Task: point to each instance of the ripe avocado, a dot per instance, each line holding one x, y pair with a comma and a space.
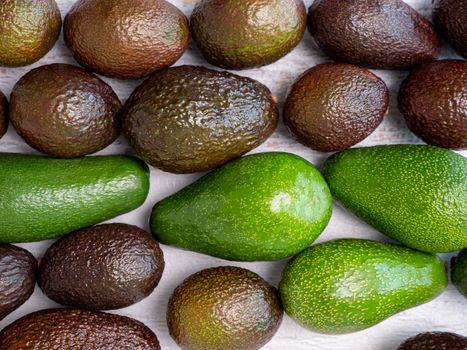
450, 19
385, 34
59, 329
435, 341
334, 106
28, 30
112, 266
188, 119
252, 33
126, 38
433, 100
348, 285
43, 198
65, 111
459, 272
265, 206
224, 308
3, 114
416, 194
17, 278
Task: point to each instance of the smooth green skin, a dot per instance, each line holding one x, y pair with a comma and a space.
265, 206
459, 272
42, 198
415, 194
348, 285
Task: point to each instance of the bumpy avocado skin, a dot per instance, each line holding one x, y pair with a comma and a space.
348, 285
59, 329
187, 119
433, 101
251, 33
333, 106
126, 39
198, 318
65, 111
3, 114
415, 194
450, 19
459, 272
28, 30
435, 340
265, 206
384, 34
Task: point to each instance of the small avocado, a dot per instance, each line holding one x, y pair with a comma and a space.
433, 101
435, 341
187, 119
384, 34
3, 114
459, 272
450, 19
59, 329
103, 267
65, 111
28, 30
334, 106
126, 39
224, 308
416, 194
348, 285
251, 33
17, 278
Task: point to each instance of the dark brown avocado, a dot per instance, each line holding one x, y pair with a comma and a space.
65, 111
433, 101
450, 19
435, 341
334, 106
17, 278
60, 329
103, 267
385, 34
187, 119
3, 114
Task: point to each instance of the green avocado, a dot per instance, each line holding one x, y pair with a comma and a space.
265, 206
348, 285
459, 272
416, 194
42, 198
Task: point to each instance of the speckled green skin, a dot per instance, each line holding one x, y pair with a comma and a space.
42, 198
348, 285
266, 206
459, 272
251, 33
3, 114
416, 194
28, 30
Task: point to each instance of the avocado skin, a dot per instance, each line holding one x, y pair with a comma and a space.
247, 38
265, 206
65, 111
3, 115
28, 30
198, 319
58, 329
334, 106
459, 272
383, 34
187, 119
127, 264
348, 285
450, 19
17, 278
433, 101
415, 194
126, 39
43, 198
435, 340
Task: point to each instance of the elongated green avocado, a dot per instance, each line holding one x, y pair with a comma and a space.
42, 198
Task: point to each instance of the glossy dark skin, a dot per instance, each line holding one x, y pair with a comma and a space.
450, 19
385, 34
459, 272
224, 308
433, 101
65, 111
59, 329
126, 38
17, 278
126, 265
435, 341
247, 37
3, 114
334, 106
188, 119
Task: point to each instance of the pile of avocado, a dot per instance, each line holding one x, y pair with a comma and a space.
258, 207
